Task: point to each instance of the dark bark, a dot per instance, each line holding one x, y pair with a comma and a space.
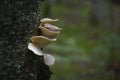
18, 21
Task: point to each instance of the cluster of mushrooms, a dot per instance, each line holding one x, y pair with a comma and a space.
48, 35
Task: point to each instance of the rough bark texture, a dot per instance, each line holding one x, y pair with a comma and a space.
18, 21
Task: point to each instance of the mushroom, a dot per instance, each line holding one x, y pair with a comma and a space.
47, 20
41, 41
48, 59
50, 30
34, 48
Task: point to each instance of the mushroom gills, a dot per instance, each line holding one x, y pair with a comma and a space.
52, 27
49, 30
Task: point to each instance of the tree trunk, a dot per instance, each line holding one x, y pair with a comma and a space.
18, 21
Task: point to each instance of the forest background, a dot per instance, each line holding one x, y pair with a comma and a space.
88, 46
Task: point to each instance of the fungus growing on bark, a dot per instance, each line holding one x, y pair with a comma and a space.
50, 30
47, 29
47, 20
48, 35
49, 59
41, 41
34, 48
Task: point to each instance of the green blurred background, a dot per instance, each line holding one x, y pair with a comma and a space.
88, 46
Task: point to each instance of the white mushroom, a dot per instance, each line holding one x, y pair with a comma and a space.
35, 49
41, 41
48, 59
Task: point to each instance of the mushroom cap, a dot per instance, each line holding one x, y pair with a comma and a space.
48, 20
35, 49
49, 59
41, 41
50, 30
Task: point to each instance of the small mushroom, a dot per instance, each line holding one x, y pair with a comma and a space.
35, 49
41, 41
48, 59
47, 20
50, 30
